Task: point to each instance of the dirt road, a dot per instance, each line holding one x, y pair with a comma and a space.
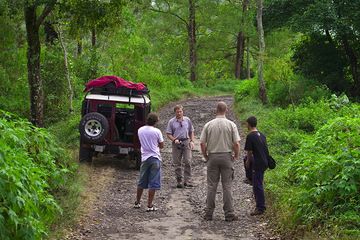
108, 211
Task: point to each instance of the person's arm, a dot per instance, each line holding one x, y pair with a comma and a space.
169, 133
160, 140
249, 159
204, 151
191, 143
236, 149
248, 149
172, 138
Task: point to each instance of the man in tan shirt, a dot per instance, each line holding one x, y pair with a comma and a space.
220, 145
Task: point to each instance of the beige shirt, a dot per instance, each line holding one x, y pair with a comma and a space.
219, 135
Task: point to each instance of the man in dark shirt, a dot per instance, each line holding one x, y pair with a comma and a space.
258, 152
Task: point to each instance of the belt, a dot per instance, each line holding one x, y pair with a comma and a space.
220, 153
182, 139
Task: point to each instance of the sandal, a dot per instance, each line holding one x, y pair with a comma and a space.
151, 209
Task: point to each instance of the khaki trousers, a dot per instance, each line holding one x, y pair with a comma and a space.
220, 164
179, 153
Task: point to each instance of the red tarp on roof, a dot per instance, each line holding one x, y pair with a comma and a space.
118, 81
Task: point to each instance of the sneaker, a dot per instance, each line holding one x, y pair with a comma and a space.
151, 209
257, 212
231, 218
179, 185
188, 185
137, 205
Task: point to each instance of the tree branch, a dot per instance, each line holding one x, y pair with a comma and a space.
169, 12
48, 8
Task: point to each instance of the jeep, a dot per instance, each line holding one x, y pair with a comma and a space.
111, 117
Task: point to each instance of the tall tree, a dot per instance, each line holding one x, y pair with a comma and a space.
334, 25
33, 23
190, 25
66, 65
262, 89
192, 40
240, 42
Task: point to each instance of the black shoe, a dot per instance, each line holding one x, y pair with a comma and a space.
257, 212
179, 185
231, 218
247, 181
188, 185
208, 217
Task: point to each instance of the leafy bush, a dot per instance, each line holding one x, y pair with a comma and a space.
32, 167
246, 88
326, 168
317, 145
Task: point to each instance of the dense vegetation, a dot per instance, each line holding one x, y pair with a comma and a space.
49, 49
32, 169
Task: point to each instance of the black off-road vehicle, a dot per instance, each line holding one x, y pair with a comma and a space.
111, 117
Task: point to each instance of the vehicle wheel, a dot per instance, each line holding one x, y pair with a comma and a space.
85, 154
93, 127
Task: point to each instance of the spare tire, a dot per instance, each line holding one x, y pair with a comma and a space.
93, 127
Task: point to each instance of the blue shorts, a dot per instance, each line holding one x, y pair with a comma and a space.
150, 174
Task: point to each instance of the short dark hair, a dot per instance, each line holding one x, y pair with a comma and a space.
152, 119
252, 121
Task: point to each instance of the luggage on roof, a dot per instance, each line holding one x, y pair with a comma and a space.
113, 85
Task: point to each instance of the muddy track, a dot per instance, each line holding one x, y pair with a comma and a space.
108, 212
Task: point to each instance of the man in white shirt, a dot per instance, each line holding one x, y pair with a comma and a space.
151, 141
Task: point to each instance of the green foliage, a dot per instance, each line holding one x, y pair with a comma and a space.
247, 88
326, 170
283, 84
319, 59
316, 183
330, 42
13, 72
32, 168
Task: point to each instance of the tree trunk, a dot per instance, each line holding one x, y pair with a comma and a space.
262, 89
192, 40
248, 73
240, 47
353, 60
66, 70
33, 23
240, 44
33, 64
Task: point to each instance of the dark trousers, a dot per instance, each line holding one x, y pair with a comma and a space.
258, 188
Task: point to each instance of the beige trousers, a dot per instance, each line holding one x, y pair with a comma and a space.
181, 154
220, 165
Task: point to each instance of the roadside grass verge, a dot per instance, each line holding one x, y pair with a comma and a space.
313, 192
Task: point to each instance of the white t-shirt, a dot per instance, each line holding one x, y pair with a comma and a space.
150, 137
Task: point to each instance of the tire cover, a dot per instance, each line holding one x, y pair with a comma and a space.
93, 127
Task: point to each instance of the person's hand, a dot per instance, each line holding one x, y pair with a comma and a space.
206, 157
191, 145
177, 141
234, 157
